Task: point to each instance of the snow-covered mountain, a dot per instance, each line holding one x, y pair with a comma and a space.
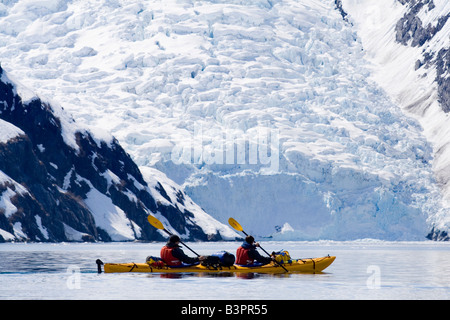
62, 182
277, 113
408, 43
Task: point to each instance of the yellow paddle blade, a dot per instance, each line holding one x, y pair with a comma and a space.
155, 222
235, 224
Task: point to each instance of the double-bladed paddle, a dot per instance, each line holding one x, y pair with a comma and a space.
238, 227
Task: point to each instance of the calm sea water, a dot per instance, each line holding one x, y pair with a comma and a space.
362, 270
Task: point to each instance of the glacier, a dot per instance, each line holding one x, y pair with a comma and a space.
62, 182
272, 112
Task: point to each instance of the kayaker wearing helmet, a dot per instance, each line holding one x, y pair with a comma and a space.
173, 256
247, 254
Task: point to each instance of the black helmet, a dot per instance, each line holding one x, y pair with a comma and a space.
249, 239
174, 239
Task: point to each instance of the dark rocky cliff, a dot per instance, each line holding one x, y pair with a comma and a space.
48, 181
411, 31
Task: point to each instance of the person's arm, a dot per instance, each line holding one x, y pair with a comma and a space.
179, 254
254, 254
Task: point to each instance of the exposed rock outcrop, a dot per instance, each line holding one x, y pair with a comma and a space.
59, 182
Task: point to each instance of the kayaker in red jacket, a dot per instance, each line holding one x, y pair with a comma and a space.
247, 254
173, 256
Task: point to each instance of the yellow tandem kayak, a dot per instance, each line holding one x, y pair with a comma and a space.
310, 265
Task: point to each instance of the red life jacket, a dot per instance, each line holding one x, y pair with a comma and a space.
168, 258
242, 257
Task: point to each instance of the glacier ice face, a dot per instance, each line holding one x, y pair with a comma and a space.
60, 182
264, 111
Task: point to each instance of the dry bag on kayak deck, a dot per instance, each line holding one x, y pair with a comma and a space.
282, 256
155, 262
219, 259
226, 259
